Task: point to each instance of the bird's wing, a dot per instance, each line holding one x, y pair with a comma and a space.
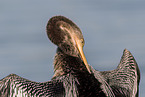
125, 79
15, 86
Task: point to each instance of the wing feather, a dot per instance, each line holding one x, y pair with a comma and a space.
125, 79
15, 86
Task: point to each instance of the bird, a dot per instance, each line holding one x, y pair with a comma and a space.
73, 76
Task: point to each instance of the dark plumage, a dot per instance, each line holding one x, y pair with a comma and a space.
72, 75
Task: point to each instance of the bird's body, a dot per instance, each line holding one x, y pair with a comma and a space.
73, 82
73, 77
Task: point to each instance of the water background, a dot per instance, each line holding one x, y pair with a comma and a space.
108, 27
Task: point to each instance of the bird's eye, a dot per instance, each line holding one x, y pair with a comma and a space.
82, 41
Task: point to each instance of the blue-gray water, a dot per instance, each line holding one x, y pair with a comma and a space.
108, 27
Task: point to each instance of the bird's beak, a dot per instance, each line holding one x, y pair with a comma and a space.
80, 49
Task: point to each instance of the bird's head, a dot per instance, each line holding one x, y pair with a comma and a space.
67, 36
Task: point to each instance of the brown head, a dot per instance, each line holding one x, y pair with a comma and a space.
67, 36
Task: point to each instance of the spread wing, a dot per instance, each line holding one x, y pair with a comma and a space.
124, 81
15, 86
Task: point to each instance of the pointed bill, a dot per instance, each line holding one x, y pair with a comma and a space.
80, 49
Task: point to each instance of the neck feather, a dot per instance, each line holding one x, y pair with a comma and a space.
64, 64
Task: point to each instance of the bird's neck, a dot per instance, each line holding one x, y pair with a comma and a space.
69, 65
64, 64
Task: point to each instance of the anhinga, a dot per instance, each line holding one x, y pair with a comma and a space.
73, 77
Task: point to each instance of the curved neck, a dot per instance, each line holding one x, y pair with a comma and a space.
64, 64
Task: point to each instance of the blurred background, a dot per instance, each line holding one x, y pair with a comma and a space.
108, 28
